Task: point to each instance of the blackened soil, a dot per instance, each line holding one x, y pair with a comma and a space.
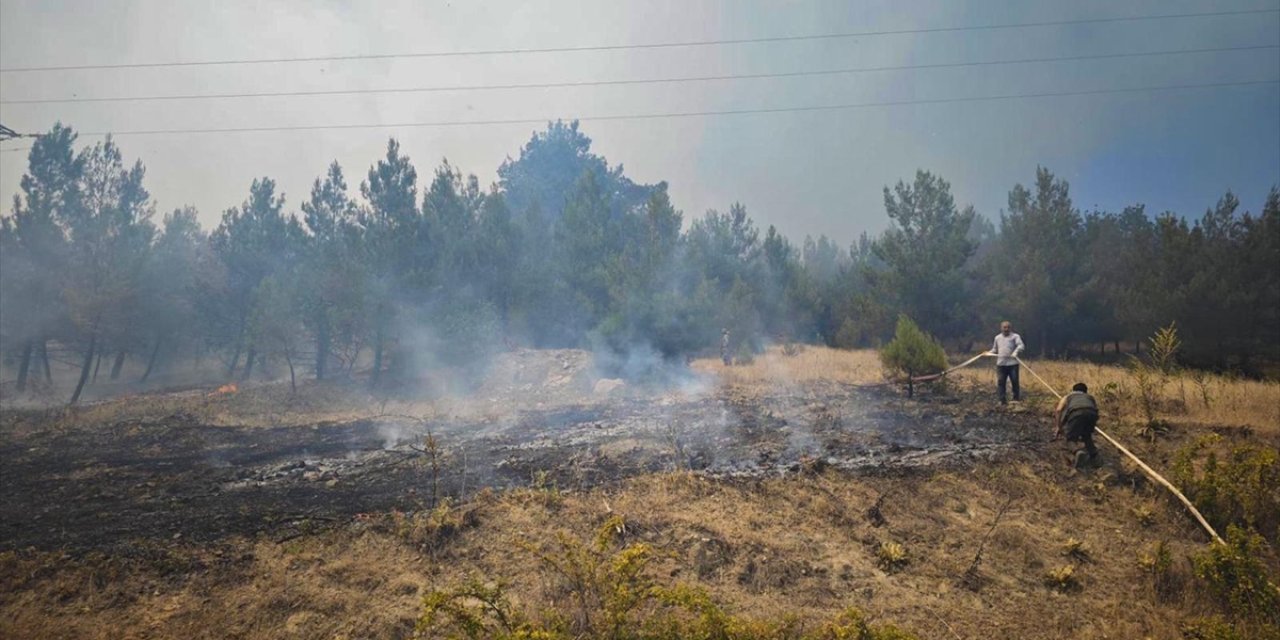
103, 485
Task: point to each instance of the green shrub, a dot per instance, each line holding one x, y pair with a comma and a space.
611, 591
1214, 628
912, 352
1150, 377
848, 336
1243, 489
1062, 579
891, 556
745, 354
1159, 568
432, 529
1237, 578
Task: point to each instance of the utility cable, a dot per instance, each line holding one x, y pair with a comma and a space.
621, 47
640, 81
687, 114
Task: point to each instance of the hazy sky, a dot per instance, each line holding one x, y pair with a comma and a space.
808, 173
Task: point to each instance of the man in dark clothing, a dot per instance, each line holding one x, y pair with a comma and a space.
1076, 416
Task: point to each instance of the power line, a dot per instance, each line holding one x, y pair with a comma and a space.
643, 81
7, 134
688, 114
620, 47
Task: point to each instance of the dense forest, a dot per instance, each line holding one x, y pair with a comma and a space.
401, 273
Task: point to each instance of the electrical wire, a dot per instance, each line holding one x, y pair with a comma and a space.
686, 114
621, 47
644, 81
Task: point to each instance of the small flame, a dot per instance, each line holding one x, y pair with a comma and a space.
225, 389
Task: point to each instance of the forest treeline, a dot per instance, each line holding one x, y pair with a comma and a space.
401, 272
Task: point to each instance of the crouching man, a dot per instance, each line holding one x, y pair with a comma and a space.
1076, 417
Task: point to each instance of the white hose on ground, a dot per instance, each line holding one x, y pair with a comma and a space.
962, 365
1149, 471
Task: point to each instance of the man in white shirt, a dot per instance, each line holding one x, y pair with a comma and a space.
1007, 346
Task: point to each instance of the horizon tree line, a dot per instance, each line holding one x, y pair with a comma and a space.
565, 250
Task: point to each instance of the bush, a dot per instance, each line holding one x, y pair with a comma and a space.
1159, 568
1210, 629
848, 336
612, 592
1243, 489
1062, 579
912, 352
891, 556
1237, 578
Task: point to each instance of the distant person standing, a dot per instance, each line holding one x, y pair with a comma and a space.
1007, 346
1076, 416
724, 347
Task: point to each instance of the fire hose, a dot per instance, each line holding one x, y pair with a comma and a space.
1138, 461
1142, 465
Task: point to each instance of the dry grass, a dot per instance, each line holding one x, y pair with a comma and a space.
1231, 401
812, 364
797, 546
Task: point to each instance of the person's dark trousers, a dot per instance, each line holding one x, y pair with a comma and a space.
1010, 373
1081, 430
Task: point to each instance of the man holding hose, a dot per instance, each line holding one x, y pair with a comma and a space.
1006, 348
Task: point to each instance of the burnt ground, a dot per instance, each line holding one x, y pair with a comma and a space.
95, 486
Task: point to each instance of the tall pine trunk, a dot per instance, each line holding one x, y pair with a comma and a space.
117, 365
97, 365
151, 362
84, 368
293, 380
44, 357
322, 346
248, 363
377, 359
351, 366
235, 359
25, 365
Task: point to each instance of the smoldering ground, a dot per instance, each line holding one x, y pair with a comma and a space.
183, 467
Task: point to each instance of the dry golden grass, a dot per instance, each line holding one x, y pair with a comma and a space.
1231, 401
800, 546
812, 364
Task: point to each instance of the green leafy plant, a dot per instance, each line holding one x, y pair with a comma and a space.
430, 530
891, 556
1165, 345
1062, 578
1150, 377
1211, 628
1202, 380
1237, 578
1243, 488
612, 591
1157, 564
1075, 549
912, 352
